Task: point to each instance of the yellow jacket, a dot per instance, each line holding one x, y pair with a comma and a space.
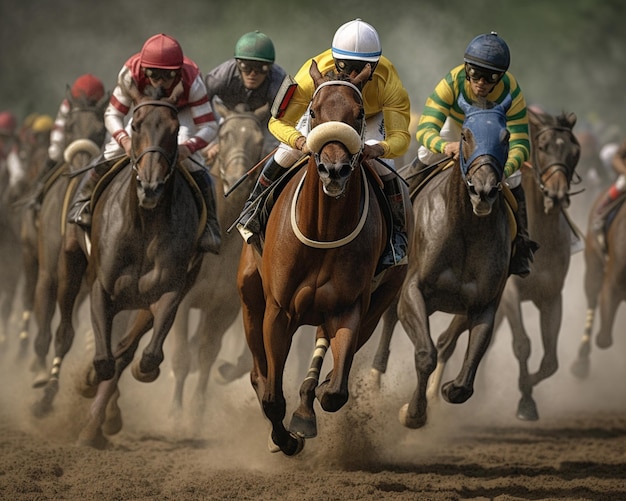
383, 92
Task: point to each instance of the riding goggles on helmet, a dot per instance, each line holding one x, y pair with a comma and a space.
476, 73
160, 74
348, 66
248, 67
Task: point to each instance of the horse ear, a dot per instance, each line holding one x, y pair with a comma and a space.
263, 112
534, 119
134, 93
571, 119
68, 93
463, 104
315, 73
221, 108
364, 76
103, 102
176, 93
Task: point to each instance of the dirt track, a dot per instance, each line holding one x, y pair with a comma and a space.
477, 450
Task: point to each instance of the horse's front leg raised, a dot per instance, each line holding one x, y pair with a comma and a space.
480, 330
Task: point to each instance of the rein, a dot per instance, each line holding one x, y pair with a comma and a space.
317, 244
171, 162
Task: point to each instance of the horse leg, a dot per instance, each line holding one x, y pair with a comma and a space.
181, 357
381, 358
303, 420
609, 302
481, 328
45, 302
278, 335
71, 270
102, 314
446, 344
230, 372
31, 270
414, 317
594, 276
210, 331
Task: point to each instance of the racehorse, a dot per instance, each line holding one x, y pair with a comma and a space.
322, 243
215, 292
546, 181
604, 283
85, 134
144, 257
460, 258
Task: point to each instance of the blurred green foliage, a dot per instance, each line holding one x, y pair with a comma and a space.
566, 54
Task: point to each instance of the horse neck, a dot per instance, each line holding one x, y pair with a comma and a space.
323, 217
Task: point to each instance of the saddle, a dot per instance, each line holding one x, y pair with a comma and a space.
265, 202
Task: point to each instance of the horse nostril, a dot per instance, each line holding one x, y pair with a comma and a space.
345, 170
323, 171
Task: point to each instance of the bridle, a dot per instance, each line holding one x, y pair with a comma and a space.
546, 172
171, 161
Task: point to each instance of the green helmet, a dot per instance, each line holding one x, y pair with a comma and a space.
255, 46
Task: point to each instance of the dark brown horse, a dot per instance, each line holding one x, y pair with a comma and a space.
215, 293
144, 254
85, 134
323, 241
546, 181
460, 259
605, 283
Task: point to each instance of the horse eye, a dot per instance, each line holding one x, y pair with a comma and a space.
311, 113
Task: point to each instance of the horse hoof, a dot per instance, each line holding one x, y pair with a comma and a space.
305, 427
408, 421
95, 440
580, 368
227, 373
294, 446
456, 394
105, 369
41, 379
144, 377
527, 410
604, 342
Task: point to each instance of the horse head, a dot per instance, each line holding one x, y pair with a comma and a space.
555, 155
241, 140
84, 129
154, 137
337, 123
484, 150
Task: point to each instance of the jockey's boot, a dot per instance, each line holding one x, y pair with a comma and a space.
397, 248
80, 211
602, 211
211, 238
249, 224
523, 247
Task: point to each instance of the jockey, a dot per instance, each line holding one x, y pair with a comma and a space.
614, 192
88, 89
251, 78
8, 134
484, 74
160, 63
387, 111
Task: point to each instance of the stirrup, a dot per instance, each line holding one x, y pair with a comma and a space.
79, 214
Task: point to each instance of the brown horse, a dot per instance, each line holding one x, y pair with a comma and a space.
605, 283
460, 259
144, 255
215, 292
85, 133
546, 181
323, 241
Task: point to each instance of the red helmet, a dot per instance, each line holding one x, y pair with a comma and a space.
162, 51
88, 86
7, 122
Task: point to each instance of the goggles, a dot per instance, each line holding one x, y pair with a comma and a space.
476, 73
160, 74
348, 66
248, 67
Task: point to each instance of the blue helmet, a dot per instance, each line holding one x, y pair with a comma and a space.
488, 51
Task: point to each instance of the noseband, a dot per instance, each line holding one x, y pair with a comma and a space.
549, 170
171, 162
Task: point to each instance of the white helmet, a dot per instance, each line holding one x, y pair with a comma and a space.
357, 40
